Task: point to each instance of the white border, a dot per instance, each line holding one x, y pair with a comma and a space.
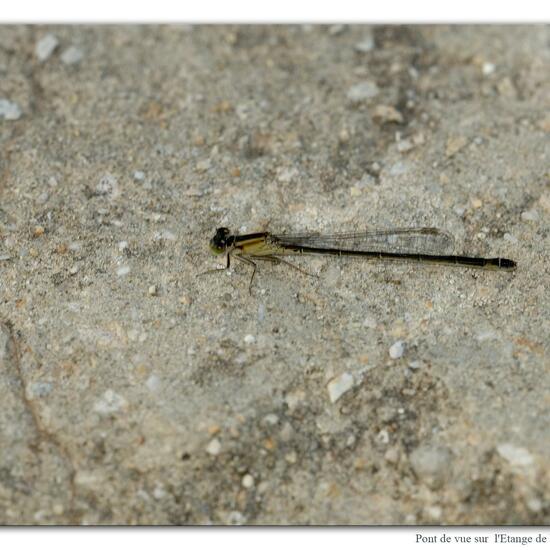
250, 538
280, 11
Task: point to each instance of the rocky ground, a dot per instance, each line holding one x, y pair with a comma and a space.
135, 392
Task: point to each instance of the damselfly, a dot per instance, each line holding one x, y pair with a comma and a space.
424, 244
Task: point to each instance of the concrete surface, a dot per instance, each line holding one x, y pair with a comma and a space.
135, 392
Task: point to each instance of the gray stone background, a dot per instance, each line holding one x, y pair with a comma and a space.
135, 392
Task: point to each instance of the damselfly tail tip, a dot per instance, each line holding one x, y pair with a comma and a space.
504, 263
508, 264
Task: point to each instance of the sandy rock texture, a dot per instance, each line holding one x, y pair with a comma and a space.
135, 392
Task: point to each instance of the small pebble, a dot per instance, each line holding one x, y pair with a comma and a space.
405, 145
235, 518
400, 168
152, 290
109, 403
387, 113
164, 235
9, 110
271, 419
295, 399
72, 55
153, 383
363, 91
122, 245
530, 216
214, 447
247, 481
286, 175
108, 185
431, 464
535, 505
488, 68
291, 457
392, 455
383, 437
139, 175
249, 339
122, 271
455, 144
159, 492
343, 136
366, 45
334, 30
397, 349
203, 165
73, 270
434, 512
516, 456
185, 299
45, 47
477, 203
339, 385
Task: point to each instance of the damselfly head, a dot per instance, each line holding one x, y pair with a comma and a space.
218, 243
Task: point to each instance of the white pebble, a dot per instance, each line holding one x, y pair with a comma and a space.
123, 245
383, 437
397, 349
404, 145
164, 235
249, 339
271, 419
45, 47
139, 175
366, 45
339, 385
9, 110
488, 68
414, 365
286, 175
363, 91
72, 55
530, 216
153, 383
235, 518
214, 447
109, 403
124, 270
247, 481
517, 456
159, 492
152, 290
